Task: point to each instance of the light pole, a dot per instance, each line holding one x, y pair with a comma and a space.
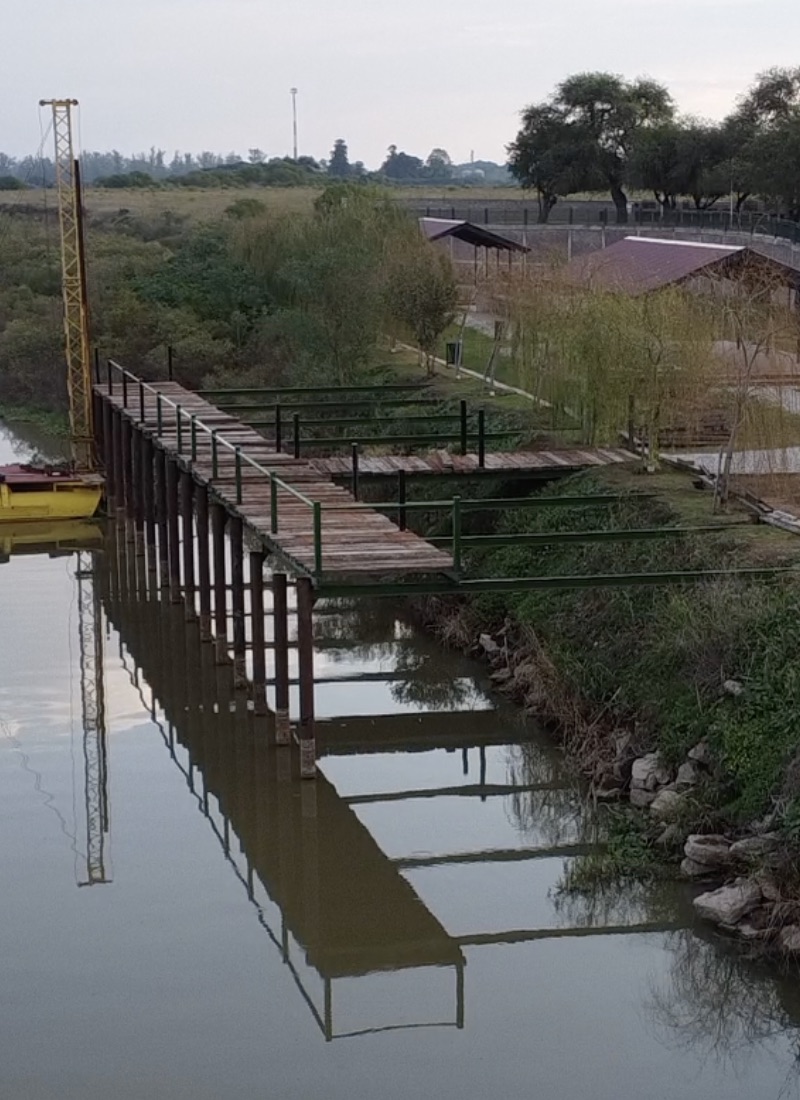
294, 119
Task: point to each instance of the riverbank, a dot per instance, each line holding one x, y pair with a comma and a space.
55, 424
676, 702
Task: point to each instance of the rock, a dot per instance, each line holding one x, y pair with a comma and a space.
769, 887
691, 869
729, 904
709, 849
688, 774
488, 645
666, 805
648, 772
751, 847
671, 836
607, 793
502, 676
751, 932
641, 798
701, 754
733, 687
789, 939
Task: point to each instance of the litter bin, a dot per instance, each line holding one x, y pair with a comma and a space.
453, 350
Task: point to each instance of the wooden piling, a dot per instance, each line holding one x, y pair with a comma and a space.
280, 619
187, 520
108, 449
127, 464
203, 563
257, 628
236, 536
137, 486
161, 514
305, 656
218, 516
173, 533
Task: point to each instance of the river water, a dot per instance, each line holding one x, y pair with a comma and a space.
181, 918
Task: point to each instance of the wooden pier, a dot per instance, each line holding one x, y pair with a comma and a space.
213, 499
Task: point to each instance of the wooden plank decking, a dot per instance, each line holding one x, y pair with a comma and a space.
441, 462
355, 540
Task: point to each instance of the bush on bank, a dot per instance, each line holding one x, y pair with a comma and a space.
654, 659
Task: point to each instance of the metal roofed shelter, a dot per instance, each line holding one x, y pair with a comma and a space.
474, 236
641, 265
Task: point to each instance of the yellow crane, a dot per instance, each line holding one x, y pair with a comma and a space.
73, 283
35, 493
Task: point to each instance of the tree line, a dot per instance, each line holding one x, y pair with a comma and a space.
208, 169
266, 299
600, 132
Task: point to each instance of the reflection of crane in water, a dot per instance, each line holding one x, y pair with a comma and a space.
95, 758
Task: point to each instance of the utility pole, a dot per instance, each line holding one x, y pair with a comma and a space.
294, 120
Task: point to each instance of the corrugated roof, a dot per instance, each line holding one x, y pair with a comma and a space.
435, 229
636, 265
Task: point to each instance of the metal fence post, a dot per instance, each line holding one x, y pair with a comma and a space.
354, 450
193, 428
278, 430
141, 403
214, 455
457, 533
180, 428
273, 504
401, 500
238, 456
124, 389
481, 438
159, 414
463, 409
317, 539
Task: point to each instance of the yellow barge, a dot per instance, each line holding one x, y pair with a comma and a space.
33, 493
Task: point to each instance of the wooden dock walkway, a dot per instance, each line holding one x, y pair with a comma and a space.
524, 463
354, 540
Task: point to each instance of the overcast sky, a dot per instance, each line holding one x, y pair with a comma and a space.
216, 74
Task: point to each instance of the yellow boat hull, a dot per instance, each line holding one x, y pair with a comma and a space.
63, 501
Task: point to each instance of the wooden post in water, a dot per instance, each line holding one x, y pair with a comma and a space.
117, 447
136, 477
280, 619
237, 589
187, 520
257, 628
108, 450
203, 563
218, 516
127, 464
305, 656
161, 514
148, 477
173, 533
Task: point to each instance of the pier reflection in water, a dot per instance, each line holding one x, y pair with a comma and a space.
410, 890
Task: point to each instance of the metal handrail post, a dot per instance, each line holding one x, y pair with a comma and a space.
317, 539
457, 533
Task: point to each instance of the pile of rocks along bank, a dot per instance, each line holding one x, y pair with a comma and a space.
747, 899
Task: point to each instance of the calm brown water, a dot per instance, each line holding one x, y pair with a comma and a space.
392, 931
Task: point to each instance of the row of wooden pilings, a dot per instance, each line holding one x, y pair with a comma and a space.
197, 548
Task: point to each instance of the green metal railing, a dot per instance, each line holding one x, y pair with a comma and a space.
218, 442
193, 436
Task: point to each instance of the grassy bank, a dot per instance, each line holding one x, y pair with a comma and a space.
653, 660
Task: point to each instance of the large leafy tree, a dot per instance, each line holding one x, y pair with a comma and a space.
686, 158
552, 156
614, 112
583, 137
339, 164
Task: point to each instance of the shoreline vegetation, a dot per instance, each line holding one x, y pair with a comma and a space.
678, 704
